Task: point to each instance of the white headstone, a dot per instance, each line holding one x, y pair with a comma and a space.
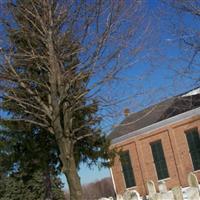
156, 196
127, 195
177, 192
192, 180
193, 193
135, 195
131, 195
162, 186
167, 196
119, 197
151, 188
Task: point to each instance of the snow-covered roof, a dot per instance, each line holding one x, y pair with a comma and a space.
192, 92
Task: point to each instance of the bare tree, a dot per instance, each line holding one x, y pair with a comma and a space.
56, 55
184, 21
97, 189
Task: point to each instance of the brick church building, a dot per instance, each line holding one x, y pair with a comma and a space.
161, 142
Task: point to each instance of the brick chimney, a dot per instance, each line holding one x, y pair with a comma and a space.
126, 112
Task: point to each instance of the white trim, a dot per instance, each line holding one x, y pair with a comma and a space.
132, 188
152, 127
192, 92
164, 179
113, 181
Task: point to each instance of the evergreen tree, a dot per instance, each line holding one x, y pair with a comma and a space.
47, 68
15, 188
29, 162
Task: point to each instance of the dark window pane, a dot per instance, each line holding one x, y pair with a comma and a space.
159, 160
127, 169
193, 140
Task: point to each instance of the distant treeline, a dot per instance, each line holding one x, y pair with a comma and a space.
98, 189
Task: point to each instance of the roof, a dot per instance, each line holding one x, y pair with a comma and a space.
156, 113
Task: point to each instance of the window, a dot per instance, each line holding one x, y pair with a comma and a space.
127, 169
159, 160
193, 140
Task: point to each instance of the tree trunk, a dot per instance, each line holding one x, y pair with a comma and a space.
70, 169
73, 180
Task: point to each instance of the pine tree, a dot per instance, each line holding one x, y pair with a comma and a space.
15, 188
29, 162
47, 69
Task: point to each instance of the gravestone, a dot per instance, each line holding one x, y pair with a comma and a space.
193, 193
131, 195
156, 196
126, 195
135, 195
162, 187
192, 180
119, 197
177, 192
193, 183
166, 196
151, 188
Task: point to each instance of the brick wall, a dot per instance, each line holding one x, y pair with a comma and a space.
176, 153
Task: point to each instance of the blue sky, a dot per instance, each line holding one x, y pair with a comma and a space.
89, 175
153, 76
164, 56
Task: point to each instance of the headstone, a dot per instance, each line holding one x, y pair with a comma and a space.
156, 196
131, 195
193, 193
162, 196
151, 188
126, 195
135, 195
166, 196
192, 180
177, 192
162, 186
119, 197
